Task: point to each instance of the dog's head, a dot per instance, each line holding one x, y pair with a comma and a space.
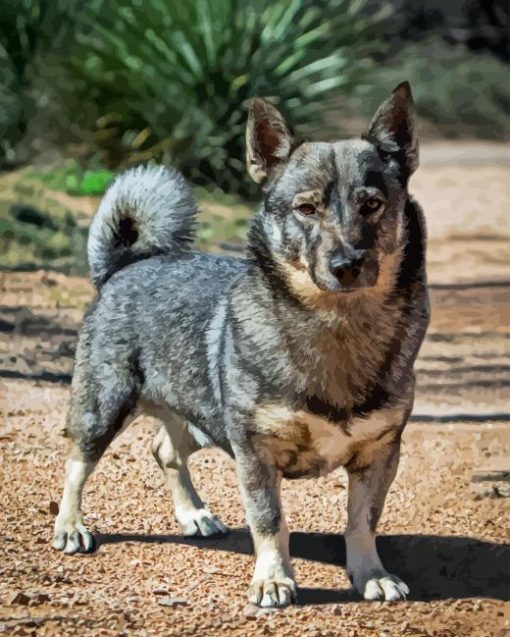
333, 211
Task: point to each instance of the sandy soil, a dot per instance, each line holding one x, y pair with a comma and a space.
450, 544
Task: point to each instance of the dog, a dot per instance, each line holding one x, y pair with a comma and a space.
295, 360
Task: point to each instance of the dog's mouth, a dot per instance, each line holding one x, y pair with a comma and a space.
339, 288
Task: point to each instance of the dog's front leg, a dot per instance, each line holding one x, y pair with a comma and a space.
367, 493
273, 581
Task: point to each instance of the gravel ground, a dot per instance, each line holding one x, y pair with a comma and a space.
448, 542
448, 546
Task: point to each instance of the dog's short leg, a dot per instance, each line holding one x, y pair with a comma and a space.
367, 493
71, 535
98, 412
273, 583
171, 448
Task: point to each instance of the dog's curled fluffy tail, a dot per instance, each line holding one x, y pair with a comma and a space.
147, 211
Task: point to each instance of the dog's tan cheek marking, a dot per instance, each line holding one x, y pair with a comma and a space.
390, 262
301, 283
389, 265
299, 278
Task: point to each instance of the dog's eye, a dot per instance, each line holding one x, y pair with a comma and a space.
372, 204
307, 209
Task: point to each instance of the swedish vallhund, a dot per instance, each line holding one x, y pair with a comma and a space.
295, 360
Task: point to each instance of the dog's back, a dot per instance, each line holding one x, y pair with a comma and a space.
147, 326
151, 321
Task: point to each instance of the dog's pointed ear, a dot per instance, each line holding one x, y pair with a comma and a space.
268, 140
392, 129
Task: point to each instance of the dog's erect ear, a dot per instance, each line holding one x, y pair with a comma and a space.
393, 129
268, 139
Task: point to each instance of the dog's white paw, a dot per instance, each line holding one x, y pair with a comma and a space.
381, 586
200, 522
71, 536
272, 593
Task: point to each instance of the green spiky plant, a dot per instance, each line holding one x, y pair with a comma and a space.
170, 79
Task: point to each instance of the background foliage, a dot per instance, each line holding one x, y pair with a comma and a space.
120, 81
171, 79
87, 88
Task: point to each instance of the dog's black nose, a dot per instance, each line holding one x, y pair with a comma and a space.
347, 267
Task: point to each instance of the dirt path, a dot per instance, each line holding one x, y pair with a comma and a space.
451, 548
448, 546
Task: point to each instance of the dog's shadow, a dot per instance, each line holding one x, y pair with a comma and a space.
435, 567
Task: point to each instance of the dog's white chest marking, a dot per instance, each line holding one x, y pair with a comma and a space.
302, 444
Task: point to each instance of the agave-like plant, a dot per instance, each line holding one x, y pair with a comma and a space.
170, 78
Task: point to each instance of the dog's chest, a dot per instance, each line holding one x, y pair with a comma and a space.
339, 363
301, 444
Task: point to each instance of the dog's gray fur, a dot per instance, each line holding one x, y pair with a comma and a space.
290, 366
137, 202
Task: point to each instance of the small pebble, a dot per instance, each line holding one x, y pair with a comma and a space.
172, 602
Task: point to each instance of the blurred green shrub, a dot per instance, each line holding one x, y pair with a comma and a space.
169, 78
73, 179
31, 238
120, 81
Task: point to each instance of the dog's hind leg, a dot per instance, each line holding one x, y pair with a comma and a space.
98, 412
171, 448
71, 535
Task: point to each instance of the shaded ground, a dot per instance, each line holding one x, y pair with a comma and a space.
450, 547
